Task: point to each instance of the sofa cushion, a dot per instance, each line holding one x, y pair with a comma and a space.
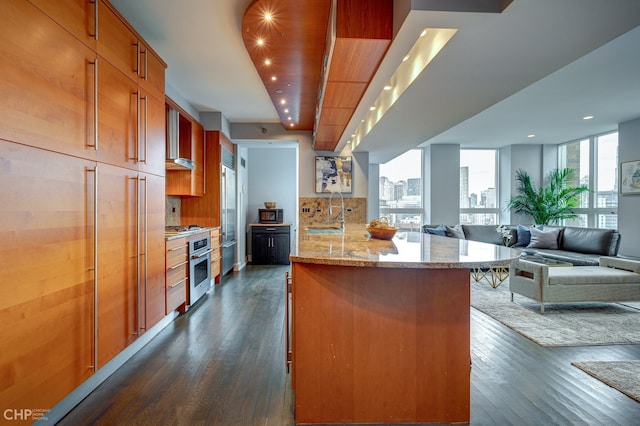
486, 234
591, 275
439, 230
576, 259
544, 239
586, 240
524, 234
454, 231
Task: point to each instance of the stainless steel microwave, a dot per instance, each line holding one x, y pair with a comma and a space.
270, 215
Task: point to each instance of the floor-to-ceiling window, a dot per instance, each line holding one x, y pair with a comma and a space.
401, 191
595, 160
478, 186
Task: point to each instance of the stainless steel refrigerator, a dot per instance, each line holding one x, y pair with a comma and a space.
228, 211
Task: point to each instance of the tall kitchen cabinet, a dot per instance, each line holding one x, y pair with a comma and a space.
82, 148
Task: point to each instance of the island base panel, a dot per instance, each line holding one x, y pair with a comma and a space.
380, 345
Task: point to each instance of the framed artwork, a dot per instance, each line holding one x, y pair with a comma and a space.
630, 177
333, 174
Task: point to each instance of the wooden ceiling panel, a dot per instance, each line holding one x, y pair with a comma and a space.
356, 59
336, 116
294, 42
343, 94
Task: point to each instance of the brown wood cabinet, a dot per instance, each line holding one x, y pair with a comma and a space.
192, 146
82, 255
48, 80
46, 265
205, 210
76, 16
216, 254
177, 273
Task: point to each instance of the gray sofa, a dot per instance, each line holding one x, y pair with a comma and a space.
613, 280
579, 246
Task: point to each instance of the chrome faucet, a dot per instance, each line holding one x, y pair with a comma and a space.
331, 206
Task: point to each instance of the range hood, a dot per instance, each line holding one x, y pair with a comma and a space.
174, 161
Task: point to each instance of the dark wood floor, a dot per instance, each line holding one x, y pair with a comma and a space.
222, 363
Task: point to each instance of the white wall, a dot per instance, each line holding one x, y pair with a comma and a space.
629, 205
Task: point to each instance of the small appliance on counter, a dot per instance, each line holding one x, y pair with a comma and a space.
270, 216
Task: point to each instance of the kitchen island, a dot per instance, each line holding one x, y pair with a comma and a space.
380, 329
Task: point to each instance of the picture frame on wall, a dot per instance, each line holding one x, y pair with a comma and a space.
334, 174
630, 177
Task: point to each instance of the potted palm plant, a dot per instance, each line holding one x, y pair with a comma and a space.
547, 204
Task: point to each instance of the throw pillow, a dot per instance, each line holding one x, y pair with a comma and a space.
440, 230
524, 235
544, 239
455, 231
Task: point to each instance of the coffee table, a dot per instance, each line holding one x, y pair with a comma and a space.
495, 275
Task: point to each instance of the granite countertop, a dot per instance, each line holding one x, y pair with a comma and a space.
173, 235
355, 247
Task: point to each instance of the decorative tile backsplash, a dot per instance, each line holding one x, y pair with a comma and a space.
315, 210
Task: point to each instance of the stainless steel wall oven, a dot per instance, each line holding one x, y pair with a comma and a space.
199, 266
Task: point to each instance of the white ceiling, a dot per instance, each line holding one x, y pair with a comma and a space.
537, 68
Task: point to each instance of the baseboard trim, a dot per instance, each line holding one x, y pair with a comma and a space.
63, 407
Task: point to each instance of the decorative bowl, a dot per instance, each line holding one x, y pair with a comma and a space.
382, 233
270, 204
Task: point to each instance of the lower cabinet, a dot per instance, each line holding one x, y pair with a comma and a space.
46, 275
270, 245
131, 290
216, 254
177, 273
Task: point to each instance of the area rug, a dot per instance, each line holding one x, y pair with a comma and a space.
621, 375
579, 324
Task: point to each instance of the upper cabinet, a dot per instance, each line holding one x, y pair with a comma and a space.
48, 83
180, 180
117, 43
79, 17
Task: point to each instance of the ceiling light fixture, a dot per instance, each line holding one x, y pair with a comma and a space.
283, 101
268, 16
405, 58
423, 33
388, 87
260, 42
286, 110
587, 117
289, 118
531, 136
274, 78
291, 125
267, 61
372, 108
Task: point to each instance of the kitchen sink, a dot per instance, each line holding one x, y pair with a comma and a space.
320, 229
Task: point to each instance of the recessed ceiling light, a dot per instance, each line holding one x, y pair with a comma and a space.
289, 118
372, 108
531, 136
267, 61
291, 125
286, 110
587, 117
268, 16
274, 78
260, 42
388, 87
423, 33
405, 58
283, 101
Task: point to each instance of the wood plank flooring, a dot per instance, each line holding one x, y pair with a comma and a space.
222, 363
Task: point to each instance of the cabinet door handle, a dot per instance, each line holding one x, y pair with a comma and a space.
178, 248
137, 45
95, 19
146, 62
95, 268
143, 159
178, 283
288, 282
178, 265
95, 103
